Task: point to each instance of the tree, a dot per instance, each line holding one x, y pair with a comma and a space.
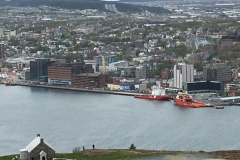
198, 66
82, 45
63, 43
157, 71
163, 44
181, 50
72, 33
163, 65
209, 58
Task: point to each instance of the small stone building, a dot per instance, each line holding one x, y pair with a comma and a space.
38, 149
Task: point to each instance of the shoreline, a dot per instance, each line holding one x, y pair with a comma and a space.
78, 89
98, 90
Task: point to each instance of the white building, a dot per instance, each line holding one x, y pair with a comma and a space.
1, 31
114, 65
93, 63
182, 73
10, 32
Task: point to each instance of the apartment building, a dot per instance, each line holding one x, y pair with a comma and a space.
143, 72
217, 72
182, 73
2, 51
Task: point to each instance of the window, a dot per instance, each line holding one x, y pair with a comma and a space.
32, 158
43, 158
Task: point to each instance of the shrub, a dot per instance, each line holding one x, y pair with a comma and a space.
76, 150
132, 147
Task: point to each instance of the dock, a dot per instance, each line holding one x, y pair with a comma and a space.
219, 107
77, 89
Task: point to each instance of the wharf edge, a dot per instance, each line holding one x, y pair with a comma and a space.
77, 89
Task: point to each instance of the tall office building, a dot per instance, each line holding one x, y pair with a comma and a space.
182, 73
143, 72
2, 51
1, 31
39, 69
217, 72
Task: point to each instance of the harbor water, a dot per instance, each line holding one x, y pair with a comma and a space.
67, 119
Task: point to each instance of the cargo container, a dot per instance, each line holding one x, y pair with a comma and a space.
124, 87
158, 83
136, 86
117, 80
152, 80
127, 87
113, 86
142, 87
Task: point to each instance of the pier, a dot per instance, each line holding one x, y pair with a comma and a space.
77, 89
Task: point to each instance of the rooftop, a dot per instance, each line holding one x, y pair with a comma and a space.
91, 74
34, 144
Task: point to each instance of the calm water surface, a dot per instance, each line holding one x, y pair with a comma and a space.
67, 119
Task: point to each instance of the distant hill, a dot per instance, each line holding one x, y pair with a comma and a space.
86, 4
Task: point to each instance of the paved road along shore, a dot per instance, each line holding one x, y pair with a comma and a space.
79, 89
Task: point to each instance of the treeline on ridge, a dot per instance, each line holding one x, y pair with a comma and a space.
94, 4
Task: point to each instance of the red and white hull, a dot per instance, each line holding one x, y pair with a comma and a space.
153, 97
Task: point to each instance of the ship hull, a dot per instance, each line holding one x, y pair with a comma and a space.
153, 97
192, 104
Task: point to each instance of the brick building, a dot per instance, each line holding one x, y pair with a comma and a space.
76, 74
165, 73
62, 73
38, 149
96, 80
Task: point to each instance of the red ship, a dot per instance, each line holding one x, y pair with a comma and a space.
157, 93
183, 99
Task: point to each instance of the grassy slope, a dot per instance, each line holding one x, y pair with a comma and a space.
10, 157
81, 156
110, 154
115, 154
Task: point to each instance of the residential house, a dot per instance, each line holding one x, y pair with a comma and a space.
225, 43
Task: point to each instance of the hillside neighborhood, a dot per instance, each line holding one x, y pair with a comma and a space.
122, 51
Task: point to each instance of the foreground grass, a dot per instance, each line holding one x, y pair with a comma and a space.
110, 156
96, 155
99, 154
10, 157
115, 154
